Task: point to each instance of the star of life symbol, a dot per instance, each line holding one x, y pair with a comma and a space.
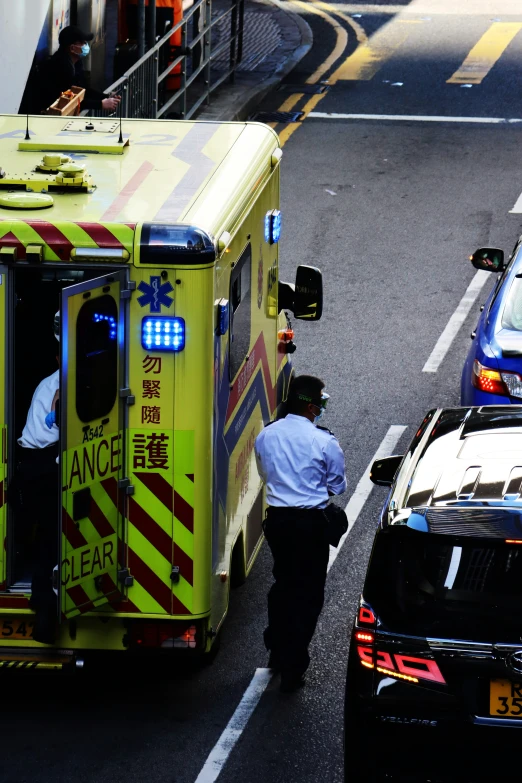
155, 294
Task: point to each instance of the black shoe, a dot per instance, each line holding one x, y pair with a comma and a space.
292, 682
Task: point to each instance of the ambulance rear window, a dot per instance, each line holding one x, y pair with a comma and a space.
175, 244
96, 358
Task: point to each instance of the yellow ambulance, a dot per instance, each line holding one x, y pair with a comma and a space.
158, 243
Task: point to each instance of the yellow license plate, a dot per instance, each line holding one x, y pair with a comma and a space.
16, 628
505, 699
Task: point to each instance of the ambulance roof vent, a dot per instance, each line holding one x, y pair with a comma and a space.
52, 162
81, 134
89, 125
25, 200
71, 174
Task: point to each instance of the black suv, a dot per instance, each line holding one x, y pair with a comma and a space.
437, 639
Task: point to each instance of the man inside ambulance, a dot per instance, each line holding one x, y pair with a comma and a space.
38, 479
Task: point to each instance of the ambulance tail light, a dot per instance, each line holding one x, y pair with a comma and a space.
162, 634
163, 334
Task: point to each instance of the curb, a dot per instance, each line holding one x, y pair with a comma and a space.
239, 108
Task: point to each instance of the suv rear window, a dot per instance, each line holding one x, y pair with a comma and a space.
443, 586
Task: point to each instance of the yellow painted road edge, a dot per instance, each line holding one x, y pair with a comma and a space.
341, 42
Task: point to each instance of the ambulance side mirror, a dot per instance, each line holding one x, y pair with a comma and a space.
305, 298
308, 299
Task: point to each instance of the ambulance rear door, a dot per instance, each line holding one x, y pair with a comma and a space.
92, 396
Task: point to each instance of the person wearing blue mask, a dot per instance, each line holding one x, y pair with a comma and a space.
64, 70
302, 466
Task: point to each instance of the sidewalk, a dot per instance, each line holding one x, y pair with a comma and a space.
274, 41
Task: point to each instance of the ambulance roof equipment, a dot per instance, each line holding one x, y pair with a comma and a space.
163, 171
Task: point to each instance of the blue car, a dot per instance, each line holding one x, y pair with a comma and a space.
492, 373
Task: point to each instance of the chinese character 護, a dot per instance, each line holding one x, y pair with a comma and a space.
150, 451
151, 389
150, 414
152, 364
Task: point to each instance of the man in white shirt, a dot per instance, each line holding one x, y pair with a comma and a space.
37, 482
302, 466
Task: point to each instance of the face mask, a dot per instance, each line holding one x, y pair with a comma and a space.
84, 50
324, 399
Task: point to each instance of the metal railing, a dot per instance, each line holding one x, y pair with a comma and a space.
174, 81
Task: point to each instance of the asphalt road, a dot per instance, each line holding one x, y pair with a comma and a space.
390, 210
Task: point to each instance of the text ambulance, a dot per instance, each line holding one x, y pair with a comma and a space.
160, 248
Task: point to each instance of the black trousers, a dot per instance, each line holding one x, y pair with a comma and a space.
36, 484
298, 541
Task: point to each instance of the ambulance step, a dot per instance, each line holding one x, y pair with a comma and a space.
27, 661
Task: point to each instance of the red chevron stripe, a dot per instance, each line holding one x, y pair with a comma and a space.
99, 520
53, 237
153, 585
9, 240
71, 532
101, 235
80, 598
128, 190
257, 354
184, 512
125, 605
110, 486
159, 487
185, 563
149, 581
150, 529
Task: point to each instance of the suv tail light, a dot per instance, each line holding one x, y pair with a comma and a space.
366, 616
495, 382
403, 667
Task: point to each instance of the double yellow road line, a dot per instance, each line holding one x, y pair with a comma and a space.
341, 42
363, 63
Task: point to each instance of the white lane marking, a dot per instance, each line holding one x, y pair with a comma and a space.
236, 725
365, 486
455, 322
222, 749
453, 566
325, 115
517, 209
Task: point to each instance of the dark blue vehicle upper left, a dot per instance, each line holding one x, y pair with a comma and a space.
492, 373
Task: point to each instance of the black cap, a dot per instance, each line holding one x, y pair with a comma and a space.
72, 34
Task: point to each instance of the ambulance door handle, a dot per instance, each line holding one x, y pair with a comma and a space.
125, 293
125, 485
125, 394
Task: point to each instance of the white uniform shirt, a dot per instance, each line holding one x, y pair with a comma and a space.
36, 434
299, 463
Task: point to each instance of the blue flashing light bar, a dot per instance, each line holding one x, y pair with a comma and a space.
163, 334
273, 226
113, 327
